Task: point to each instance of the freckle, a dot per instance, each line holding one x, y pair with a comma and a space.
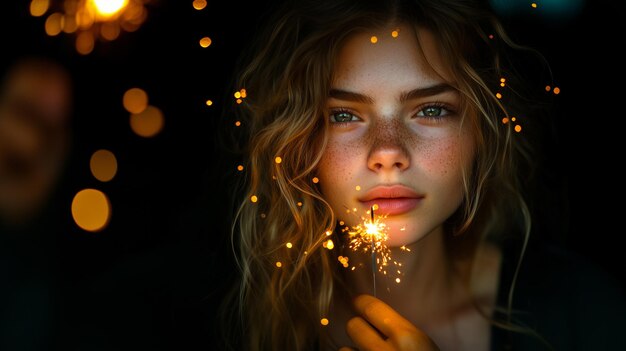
388, 133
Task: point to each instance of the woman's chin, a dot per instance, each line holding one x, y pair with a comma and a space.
401, 235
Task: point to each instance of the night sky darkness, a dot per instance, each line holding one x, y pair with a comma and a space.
141, 279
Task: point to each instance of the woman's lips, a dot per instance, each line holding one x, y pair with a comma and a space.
391, 200
393, 206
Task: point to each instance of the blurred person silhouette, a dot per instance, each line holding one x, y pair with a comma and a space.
35, 105
36, 102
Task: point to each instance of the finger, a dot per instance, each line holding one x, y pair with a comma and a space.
346, 348
364, 335
382, 316
397, 330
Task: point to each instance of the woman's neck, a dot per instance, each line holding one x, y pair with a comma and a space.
426, 285
433, 292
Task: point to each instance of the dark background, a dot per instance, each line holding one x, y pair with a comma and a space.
147, 280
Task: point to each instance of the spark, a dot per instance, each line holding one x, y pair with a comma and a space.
370, 236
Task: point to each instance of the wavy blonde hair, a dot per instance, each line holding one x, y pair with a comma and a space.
285, 289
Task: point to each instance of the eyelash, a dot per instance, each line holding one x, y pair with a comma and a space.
339, 111
446, 111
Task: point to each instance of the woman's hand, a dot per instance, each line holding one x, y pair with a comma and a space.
379, 327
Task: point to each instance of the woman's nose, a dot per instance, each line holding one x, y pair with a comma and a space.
388, 157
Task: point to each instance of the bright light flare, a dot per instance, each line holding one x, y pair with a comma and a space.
370, 236
108, 8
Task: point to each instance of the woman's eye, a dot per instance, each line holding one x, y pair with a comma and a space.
433, 111
343, 117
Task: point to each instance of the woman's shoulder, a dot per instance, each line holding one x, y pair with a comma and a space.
567, 298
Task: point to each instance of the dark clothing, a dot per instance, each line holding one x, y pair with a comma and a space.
569, 301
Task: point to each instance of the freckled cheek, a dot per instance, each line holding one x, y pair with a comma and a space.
442, 159
336, 163
337, 171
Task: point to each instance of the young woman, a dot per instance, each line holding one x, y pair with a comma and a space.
407, 109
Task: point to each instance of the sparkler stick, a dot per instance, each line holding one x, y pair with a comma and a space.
373, 253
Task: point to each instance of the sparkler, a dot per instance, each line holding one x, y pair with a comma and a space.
371, 236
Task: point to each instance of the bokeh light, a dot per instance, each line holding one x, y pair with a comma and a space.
103, 165
39, 7
205, 42
91, 210
85, 43
54, 24
110, 31
199, 4
135, 100
147, 123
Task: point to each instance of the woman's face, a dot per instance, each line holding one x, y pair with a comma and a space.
396, 138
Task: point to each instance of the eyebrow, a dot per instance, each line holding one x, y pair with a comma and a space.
409, 95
